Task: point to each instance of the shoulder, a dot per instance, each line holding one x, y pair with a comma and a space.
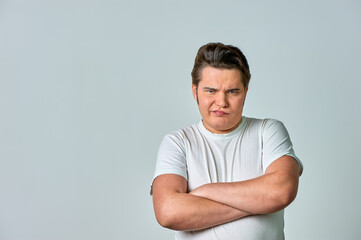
255, 123
180, 136
184, 132
266, 127
273, 125
272, 122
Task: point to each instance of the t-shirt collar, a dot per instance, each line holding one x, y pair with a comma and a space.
206, 132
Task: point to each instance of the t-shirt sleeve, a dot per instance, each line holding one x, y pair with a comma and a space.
171, 157
276, 143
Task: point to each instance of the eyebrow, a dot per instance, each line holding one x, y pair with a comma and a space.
234, 89
209, 88
215, 89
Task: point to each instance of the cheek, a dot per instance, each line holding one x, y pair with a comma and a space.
238, 105
205, 102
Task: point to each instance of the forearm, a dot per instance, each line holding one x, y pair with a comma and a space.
186, 212
251, 196
176, 209
266, 194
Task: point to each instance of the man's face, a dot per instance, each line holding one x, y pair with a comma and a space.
220, 96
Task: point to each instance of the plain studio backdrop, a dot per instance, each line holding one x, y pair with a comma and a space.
89, 88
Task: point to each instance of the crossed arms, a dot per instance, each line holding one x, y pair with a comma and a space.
217, 203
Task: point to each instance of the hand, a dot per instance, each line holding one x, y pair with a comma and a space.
199, 191
194, 192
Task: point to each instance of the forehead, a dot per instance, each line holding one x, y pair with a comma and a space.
220, 76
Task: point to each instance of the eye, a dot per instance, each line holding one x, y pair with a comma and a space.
233, 91
209, 90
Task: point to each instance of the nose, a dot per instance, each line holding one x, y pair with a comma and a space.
221, 100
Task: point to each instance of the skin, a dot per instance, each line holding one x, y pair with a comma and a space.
269, 193
220, 96
178, 210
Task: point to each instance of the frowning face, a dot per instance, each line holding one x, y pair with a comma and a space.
220, 95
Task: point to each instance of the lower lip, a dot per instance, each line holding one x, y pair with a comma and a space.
219, 113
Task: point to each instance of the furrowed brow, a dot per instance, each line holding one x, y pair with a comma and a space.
210, 88
234, 89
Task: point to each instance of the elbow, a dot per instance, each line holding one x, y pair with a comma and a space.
287, 198
285, 193
164, 219
167, 217
171, 221
278, 199
289, 192
284, 197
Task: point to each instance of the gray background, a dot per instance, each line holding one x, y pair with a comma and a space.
89, 88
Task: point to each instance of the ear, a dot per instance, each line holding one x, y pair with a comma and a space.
194, 91
245, 94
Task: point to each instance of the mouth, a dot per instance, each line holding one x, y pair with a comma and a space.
220, 113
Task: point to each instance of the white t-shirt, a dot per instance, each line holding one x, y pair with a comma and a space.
203, 157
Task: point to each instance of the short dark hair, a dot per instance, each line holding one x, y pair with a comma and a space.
221, 56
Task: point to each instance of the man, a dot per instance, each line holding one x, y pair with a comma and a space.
229, 176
